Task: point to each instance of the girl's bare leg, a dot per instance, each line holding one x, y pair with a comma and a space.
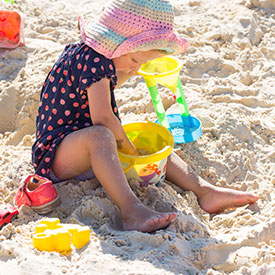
211, 198
96, 147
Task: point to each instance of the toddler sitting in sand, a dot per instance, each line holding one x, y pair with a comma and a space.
78, 126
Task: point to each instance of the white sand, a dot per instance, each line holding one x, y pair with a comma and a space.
228, 78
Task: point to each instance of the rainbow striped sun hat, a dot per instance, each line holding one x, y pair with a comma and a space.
133, 25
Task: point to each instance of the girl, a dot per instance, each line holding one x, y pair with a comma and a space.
78, 127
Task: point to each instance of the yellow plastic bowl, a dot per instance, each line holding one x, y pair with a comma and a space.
152, 138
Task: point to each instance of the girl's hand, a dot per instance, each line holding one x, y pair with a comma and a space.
133, 152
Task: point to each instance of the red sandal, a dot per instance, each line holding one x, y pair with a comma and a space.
38, 193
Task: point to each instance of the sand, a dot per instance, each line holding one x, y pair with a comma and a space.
228, 79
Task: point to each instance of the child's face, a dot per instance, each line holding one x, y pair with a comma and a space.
131, 62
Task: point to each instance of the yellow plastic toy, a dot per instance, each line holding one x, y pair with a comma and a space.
165, 71
154, 139
51, 235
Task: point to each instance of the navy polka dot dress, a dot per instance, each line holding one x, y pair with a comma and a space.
64, 106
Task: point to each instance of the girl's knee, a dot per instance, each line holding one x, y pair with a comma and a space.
101, 134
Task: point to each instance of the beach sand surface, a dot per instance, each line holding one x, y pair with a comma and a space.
228, 80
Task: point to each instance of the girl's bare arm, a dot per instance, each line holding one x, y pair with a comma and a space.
102, 114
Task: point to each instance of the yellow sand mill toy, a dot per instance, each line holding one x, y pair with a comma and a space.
165, 71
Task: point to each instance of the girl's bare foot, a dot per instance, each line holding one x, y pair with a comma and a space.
218, 199
140, 218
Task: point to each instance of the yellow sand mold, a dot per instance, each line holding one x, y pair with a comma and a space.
51, 235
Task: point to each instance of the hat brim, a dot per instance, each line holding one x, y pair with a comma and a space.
153, 40
160, 39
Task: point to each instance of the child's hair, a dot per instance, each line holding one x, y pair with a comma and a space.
133, 25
